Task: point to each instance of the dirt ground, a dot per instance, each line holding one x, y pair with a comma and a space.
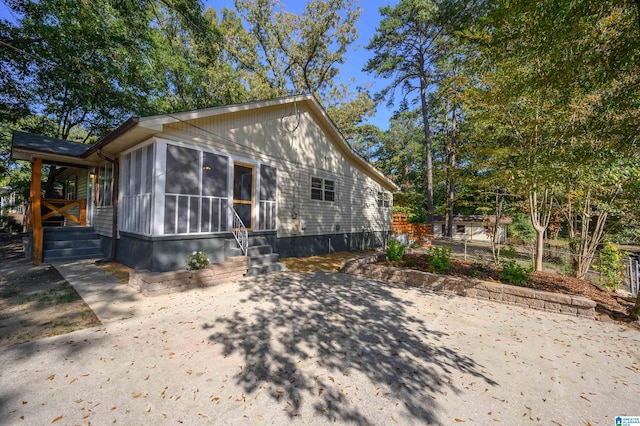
35, 301
329, 262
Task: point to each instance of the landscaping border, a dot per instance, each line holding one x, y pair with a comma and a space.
366, 267
156, 283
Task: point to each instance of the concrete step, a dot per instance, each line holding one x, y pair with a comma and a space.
264, 259
69, 233
54, 245
75, 253
266, 269
259, 250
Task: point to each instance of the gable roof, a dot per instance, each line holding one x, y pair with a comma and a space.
138, 129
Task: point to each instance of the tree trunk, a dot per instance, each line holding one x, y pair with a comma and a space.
427, 148
451, 185
539, 247
540, 216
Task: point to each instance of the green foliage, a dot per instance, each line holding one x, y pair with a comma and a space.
514, 273
197, 260
509, 252
521, 229
439, 258
395, 250
410, 203
8, 225
611, 266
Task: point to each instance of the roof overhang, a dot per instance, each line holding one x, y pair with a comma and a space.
136, 130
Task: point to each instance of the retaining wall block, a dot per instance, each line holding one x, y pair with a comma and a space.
498, 292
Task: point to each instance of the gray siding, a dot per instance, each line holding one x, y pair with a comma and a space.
102, 220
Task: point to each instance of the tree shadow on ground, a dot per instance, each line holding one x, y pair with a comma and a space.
306, 325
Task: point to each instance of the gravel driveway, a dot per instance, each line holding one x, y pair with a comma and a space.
322, 348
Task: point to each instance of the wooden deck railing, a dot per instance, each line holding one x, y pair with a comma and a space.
37, 218
62, 207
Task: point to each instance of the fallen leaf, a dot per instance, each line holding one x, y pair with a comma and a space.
75, 379
136, 396
458, 420
320, 391
24, 402
57, 419
51, 377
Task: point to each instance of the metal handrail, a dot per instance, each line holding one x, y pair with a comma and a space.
239, 231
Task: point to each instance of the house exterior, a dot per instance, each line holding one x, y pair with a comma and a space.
472, 227
164, 186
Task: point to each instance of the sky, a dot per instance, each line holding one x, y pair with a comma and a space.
356, 56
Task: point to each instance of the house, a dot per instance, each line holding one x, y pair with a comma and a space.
274, 173
472, 227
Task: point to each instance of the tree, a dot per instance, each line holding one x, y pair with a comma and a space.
406, 48
301, 53
555, 112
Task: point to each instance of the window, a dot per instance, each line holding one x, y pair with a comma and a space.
196, 191
104, 183
323, 189
384, 199
268, 186
460, 229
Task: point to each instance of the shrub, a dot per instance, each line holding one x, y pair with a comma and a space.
514, 273
611, 266
395, 250
440, 258
197, 260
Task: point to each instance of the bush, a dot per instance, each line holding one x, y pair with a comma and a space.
197, 260
395, 250
611, 266
440, 258
515, 274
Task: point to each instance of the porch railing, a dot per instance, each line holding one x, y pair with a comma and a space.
37, 217
63, 207
239, 231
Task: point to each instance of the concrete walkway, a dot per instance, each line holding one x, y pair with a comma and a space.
317, 349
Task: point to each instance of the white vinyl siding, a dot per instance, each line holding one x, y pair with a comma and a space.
299, 152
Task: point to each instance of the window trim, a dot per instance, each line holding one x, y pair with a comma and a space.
324, 189
463, 227
384, 199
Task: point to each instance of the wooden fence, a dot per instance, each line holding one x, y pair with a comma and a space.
420, 233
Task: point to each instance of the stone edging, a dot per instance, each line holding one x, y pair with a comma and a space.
156, 283
365, 267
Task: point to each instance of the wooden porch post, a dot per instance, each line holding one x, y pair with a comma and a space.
83, 212
36, 212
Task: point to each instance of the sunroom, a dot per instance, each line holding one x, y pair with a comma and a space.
172, 190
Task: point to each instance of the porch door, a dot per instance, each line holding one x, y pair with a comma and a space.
243, 184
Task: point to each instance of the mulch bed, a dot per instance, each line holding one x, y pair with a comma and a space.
609, 303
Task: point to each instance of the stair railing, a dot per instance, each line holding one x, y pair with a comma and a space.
239, 231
